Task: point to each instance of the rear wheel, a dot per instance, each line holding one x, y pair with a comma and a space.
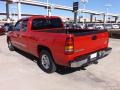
46, 63
10, 46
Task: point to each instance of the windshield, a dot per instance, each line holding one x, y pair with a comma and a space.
42, 23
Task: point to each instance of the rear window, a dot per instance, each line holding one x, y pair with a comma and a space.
55, 23
41, 23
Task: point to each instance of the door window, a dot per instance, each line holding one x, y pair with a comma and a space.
24, 25
18, 26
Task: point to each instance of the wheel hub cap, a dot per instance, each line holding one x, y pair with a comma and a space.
45, 61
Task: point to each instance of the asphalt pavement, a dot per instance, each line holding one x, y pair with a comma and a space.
19, 71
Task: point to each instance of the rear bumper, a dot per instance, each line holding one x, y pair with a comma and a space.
89, 58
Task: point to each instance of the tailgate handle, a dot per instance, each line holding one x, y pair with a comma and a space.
94, 37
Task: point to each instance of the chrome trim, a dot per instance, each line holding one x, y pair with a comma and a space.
78, 63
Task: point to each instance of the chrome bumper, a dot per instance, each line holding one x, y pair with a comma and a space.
86, 60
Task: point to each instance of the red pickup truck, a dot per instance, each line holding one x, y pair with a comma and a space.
46, 38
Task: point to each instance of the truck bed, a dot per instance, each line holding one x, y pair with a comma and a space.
88, 41
82, 32
76, 32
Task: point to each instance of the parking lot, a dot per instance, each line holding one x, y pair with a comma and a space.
19, 72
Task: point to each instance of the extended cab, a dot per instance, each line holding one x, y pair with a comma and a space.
46, 38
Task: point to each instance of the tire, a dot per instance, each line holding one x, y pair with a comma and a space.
46, 63
10, 46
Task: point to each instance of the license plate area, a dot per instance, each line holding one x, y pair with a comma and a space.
94, 55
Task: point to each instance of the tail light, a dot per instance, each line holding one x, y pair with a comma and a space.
69, 46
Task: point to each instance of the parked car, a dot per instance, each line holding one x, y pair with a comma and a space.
108, 26
118, 24
8, 26
46, 38
90, 26
81, 25
99, 26
115, 26
2, 31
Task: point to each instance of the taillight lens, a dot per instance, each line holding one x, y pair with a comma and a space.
69, 45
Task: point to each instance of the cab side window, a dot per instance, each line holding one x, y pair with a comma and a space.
18, 26
24, 25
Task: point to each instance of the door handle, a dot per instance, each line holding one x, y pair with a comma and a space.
94, 37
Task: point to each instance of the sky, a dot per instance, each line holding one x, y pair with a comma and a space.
96, 5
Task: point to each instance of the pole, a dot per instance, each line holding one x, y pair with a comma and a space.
75, 10
19, 9
84, 13
91, 18
79, 19
104, 18
13, 12
48, 11
75, 16
7, 10
84, 7
106, 15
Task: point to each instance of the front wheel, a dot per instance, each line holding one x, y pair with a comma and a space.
10, 46
46, 62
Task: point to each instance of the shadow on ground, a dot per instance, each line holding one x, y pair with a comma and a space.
65, 70
60, 69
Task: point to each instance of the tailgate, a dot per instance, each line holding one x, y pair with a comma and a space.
89, 43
